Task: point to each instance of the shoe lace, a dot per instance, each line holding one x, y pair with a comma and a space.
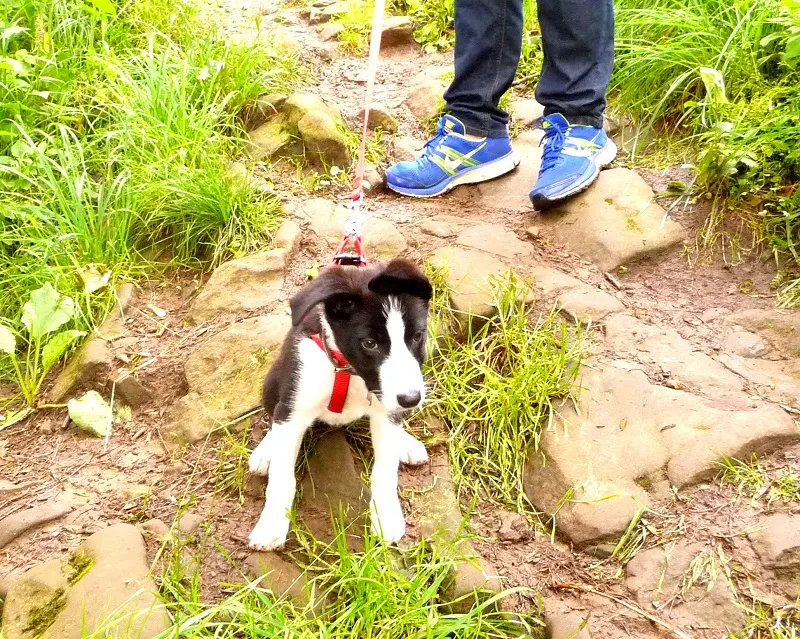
553, 140
431, 144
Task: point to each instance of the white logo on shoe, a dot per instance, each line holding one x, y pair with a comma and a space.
451, 165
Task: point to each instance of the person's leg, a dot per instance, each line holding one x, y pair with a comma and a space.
488, 45
578, 45
471, 142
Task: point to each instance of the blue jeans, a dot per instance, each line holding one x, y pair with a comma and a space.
578, 44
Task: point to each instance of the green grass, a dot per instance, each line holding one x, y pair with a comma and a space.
765, 621
117, 124
751, 479
494, 385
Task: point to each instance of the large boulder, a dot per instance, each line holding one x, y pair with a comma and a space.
242, 285
776, 540
103, 587
225, 375
615, 222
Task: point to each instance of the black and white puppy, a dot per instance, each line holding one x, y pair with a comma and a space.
376, 318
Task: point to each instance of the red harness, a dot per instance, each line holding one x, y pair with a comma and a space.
341, 380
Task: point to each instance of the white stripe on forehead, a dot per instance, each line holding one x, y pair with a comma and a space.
400, 372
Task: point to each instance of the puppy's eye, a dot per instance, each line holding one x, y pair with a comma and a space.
417, 337
369, 344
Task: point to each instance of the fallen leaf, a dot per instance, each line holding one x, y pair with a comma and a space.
91, 413
159, 312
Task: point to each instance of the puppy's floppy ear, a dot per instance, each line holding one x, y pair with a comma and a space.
332, 287
402, 277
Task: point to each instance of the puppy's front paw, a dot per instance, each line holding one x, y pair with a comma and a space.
412, 451
269, 535
260, 458
388, 521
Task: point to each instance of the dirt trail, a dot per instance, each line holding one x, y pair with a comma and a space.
140, 478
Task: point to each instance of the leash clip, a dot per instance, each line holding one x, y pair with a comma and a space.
352, 235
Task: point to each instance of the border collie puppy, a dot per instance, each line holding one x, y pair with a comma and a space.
355, 349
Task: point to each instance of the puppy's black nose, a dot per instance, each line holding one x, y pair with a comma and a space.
410, 399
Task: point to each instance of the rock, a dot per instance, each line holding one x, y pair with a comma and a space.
439, 518
533, 232
91, 413
564, 620
425, 100
288, 235
286, 40
513, 527
189, 523
615, 222
154, 528
382, 240
329, 51
283, 578
225, 375
241, 285
437, 228
780, 328
325, 14
438, 72
655, 576
778, 380
526, 112
373, 179
551, 281
330, 31
268, 140
406, 149
299, 105
587, 451
332, 486
380, 118
588, 305
323, 140
745, 344
496, 240
88, 365
678, 358
776, 540
397, 30
265, 107
14, 525
106, 580
511, 191
469, 275
131, 390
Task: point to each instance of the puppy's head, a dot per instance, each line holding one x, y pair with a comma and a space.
378, 318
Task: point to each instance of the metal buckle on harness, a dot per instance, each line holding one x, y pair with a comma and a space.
352, 236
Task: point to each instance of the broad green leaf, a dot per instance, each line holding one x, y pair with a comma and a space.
57, 346
8, 343
793, 48
715, 85
46, 311
104, 6
14, 417
91, 413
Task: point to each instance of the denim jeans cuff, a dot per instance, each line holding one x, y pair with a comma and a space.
585, 120
473, 125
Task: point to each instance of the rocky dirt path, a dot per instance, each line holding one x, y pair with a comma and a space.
686, 365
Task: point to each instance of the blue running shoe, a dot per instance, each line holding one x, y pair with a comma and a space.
572, 159
450, 159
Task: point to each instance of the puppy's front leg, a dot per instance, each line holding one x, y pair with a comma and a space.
284, 445
388, 521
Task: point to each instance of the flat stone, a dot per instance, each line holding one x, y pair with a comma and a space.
780, 328
564, 620
105, 580
268, 140
14, 525
189, 523
406, 149
533, 232
332, 486
283, 578
437, 513
288, 235
425, 100
437, 228
588, 305
382, 240
242, 285
615, 222
779, 380
657, 575
552, 281
745, 344
525, 112
328, 13
225, 375
588, 449
330, 31
155, 529
469, 274
397, 31
132, 390
511, 192
776, 540
89, 365
380, 118
678, 358
496, 240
